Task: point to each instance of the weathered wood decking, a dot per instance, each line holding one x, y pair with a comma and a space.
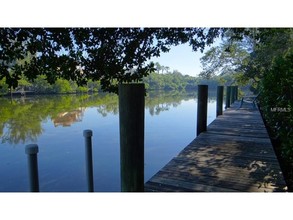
234, 155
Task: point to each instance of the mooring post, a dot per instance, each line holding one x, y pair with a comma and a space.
228, 94
32, 150
220, 92
131, 120
202, 108
89, 159
232, 94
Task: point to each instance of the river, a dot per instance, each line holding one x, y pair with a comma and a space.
56, 124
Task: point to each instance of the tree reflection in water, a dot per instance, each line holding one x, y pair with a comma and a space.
65, 119
21, 118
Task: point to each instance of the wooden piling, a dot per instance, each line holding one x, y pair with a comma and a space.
228, 98
232, 94
220, 92
202, 107
89, 159
32, 150
131, 120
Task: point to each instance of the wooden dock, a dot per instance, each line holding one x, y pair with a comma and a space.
234, 155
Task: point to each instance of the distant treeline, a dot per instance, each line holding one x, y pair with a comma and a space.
176, 81
154, 81
41, 86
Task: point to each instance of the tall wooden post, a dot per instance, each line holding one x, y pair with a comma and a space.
220, 92
32, 153
232, 94
89, 159
228, 94
202, 108
131, 120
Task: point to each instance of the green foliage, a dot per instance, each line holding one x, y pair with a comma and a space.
108, 55
277, 101
246, 53
271, 43
227, 58
273, 60
82, 89
62, 86
23, 82
176, 81
3, 87
41, 85
93, 86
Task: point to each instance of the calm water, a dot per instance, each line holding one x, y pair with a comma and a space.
56, 124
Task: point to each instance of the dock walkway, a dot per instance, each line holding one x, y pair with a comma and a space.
234, 155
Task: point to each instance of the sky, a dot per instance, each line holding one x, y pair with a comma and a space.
181, 58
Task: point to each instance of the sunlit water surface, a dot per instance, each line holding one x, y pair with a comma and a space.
56, 124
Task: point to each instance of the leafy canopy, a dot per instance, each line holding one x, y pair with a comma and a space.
111, 55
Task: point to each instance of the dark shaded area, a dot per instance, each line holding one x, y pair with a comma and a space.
285, 165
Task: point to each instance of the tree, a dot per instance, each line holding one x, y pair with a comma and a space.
3, 87
80, 54
277, 105
226, 59
23, 83
167, 69
62, 86
269, 44
40, 85
93, 86
158, 67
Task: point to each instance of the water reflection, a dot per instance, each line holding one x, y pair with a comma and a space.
19, 121
56, 123
65, 119
21, 118
157, 102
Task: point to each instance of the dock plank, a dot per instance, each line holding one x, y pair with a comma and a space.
234, 155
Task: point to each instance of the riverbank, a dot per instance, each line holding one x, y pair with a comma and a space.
32, 93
